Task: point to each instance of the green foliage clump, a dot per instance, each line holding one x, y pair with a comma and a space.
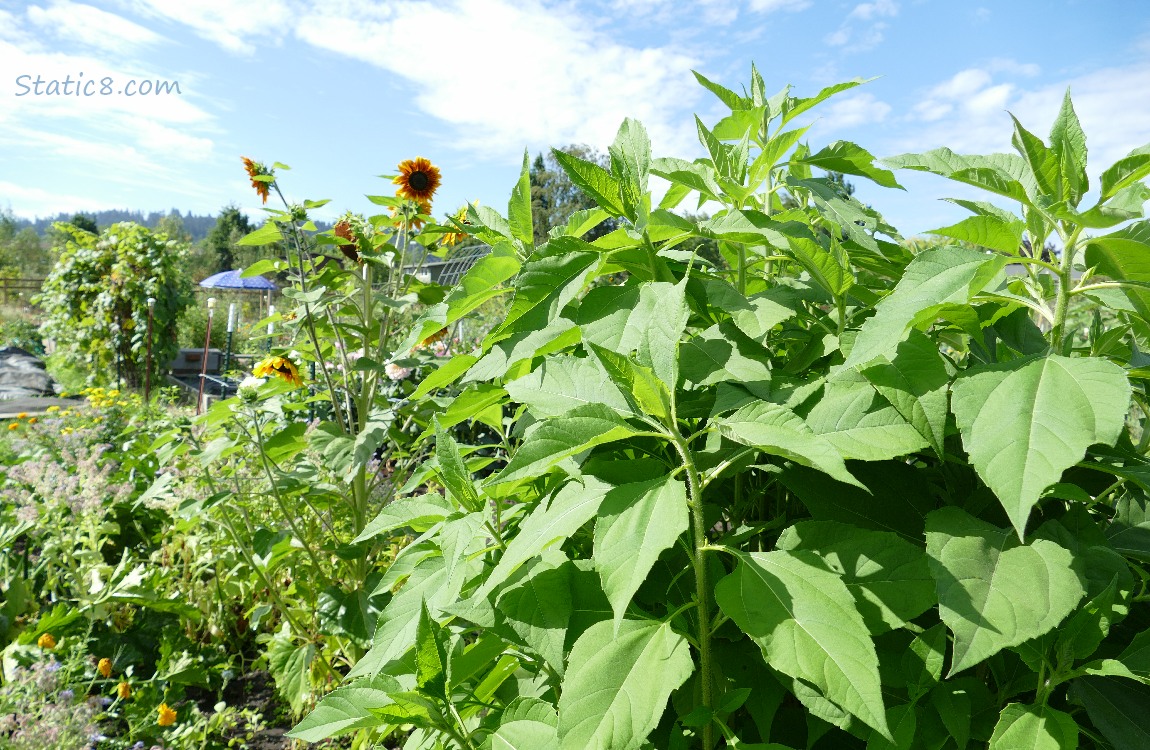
95, 299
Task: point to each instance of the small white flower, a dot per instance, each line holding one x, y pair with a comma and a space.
395, 372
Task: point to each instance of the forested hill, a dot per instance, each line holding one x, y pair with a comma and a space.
196, 225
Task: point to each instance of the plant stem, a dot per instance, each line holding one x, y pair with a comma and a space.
702, 587
1062, 304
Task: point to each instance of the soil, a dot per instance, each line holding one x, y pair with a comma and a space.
256, 690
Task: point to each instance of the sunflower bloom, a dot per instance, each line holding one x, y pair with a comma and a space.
413, 218
124, 691
418, 179
167, 715
281, 368
343, 231
453, 238
256, 169
104, 667
47, 640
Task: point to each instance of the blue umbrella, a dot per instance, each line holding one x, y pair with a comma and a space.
233, 280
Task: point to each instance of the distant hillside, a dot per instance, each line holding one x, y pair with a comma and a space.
196, 225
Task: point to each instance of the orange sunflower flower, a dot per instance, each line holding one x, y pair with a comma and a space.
167, 715
453, 238
418, 179
414, 221
282, 368
256, 169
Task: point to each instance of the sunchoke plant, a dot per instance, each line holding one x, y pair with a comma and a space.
775, 478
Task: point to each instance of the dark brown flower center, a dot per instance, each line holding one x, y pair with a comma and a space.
419, 181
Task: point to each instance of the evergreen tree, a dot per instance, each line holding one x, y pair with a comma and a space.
221, 242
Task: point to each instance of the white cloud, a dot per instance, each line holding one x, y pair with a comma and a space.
861, 109
968, 112
772, 6
89, 26
30, 202
877, 9
230, 24
838, 38
534, 75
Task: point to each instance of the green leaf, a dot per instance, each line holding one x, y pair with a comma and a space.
804, 619
887, 575
420, 513
1117, 707
1068, 141
593, 180
723, 353
265, 235
1007, 175
779, 431
1025, 423
430, 655
519, 207
554, 276
453, 470
1129, 531
792, 107
859, 423
664, 309
579, 429
631, 164
1034, 728
645, 393
617, 685
935, 278
523, 735
1125, 172
993, 591
563, 382
538, 610
1042, 161
347, 708
636, 524
290, 665
1124, 255
726, 96
850, 158
987, 231
916, 383
451, 370
571, 507
692, 175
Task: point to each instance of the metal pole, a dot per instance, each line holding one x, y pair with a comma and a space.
204, 361
271, 327
148, 364
231, 329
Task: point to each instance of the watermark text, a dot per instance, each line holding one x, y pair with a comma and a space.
29, 85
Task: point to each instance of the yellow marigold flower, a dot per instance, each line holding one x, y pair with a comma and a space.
53, 409
281, 368
104, 667
22, 415
31, 420
124, 690
418, 179
167, 715
254, 170
13, 426
47, 640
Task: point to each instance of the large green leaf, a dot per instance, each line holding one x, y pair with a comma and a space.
519, 215
1129, 531
777, 430
1042, 161
859, 423
850, 158
1125, 172
805, 621
563, 382
420, 513
724, 353
571, 507
453, 470
1007, 175
935, 278
1068, 142
1023, 424
994, 591
523, 734
290, 665
579, 429
987, 231
1125, 255
631, 164
636, 524
887, 575
916, 382
1034, 728
538, 610
593, 180
347, 708
1117, 707
617, 684
554, 276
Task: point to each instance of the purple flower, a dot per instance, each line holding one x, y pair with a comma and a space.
66, 696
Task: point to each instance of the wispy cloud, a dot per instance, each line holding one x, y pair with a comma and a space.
861, 30
86, 25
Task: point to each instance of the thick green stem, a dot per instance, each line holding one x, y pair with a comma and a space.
1062, 302
702, 585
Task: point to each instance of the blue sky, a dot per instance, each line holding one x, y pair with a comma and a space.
342, 90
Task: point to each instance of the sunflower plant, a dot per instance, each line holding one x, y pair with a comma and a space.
822, 489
